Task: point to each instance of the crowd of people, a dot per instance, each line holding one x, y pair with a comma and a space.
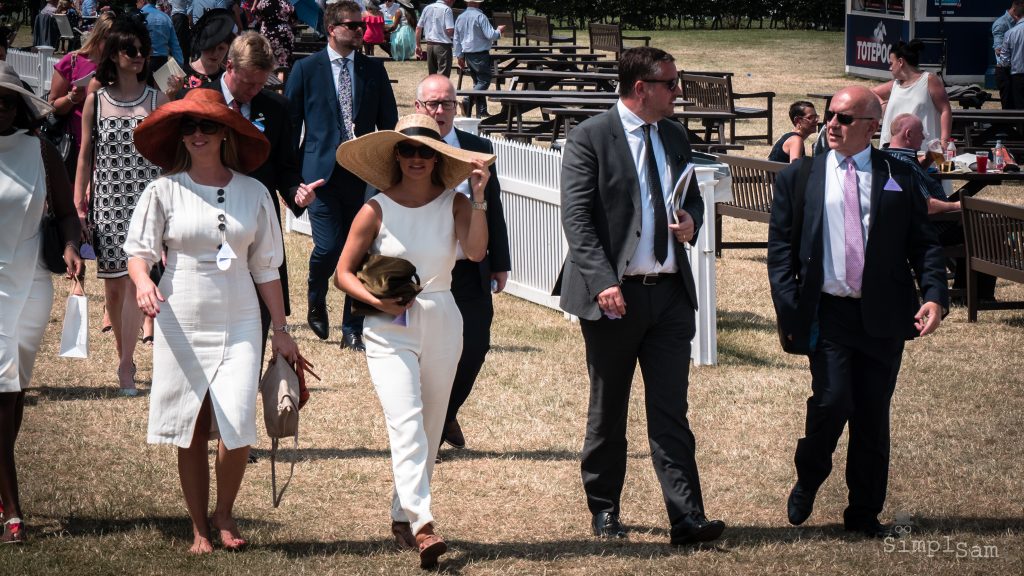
177, 194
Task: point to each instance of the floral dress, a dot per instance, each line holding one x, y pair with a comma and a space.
273, 19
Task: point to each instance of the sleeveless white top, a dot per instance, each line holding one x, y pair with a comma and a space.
915, 100
424, 236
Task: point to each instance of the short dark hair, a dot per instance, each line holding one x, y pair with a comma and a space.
639, 63
332, 15
799, 108
125, 31
909, 51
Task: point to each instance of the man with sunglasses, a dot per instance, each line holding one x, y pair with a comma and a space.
627, 277
843, 285
435, 29
338, 94
472, 282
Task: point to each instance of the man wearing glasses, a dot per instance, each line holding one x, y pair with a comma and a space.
627, 277
847, 230
339, 94
472, 282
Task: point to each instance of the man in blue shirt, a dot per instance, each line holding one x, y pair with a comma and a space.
201, 6
1000, 27
161, 33
181, 18
472, 44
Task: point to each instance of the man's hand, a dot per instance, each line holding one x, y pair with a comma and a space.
462, 62
684, 230
306, 193
928, 318
498, 280
611, 302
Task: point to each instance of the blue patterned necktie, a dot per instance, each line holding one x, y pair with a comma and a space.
345, 100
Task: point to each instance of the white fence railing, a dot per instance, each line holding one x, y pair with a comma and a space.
530, 194
35, 68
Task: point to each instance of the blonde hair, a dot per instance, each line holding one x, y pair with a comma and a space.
228, 154
99, 33
250, 50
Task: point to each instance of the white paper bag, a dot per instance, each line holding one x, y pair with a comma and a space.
74, 339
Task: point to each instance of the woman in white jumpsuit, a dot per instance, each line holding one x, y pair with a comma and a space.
219, 231
413, 348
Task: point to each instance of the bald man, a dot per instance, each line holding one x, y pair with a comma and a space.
848, 237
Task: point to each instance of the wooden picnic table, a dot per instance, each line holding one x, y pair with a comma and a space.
513, 108
547, 79
998, 125
972, 182
568, 48
562, 117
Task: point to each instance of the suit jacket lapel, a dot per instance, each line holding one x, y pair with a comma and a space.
879, 176
673, 155
621, 149
359, 66
327, 72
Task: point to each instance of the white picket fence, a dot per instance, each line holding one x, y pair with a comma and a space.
35, 68
530, 193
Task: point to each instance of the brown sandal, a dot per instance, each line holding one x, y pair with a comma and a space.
431, 548
403, 536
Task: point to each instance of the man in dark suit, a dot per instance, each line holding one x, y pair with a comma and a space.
339, 94
471, 281
250, 61
847, 299
628, 278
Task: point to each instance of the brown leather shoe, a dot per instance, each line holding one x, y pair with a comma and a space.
453, 434
403, 536
431, 548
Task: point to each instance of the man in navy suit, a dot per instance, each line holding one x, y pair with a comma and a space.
843, 257
339, 94
627, 277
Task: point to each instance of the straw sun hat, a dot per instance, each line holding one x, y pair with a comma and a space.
372, 157
9, 79
156, 137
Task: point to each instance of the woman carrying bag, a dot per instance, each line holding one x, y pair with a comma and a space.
219, 230
31, 174
413, 347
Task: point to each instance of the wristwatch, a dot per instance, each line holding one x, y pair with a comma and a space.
479, 205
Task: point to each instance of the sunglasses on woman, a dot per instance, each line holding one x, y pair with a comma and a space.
9, 102
208, 127
844, 119
132, 51
406, 150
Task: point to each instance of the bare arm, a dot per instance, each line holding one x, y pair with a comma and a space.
470, 223
883, 91
84, 172
281, 342
794, 146
364, 230
941, 101
64, 95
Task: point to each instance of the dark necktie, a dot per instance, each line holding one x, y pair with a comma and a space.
236, 106
657, 200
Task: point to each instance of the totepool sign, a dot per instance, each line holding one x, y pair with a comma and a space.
870, 39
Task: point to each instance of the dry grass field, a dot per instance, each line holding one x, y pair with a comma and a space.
99, 500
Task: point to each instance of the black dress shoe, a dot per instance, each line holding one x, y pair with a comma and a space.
606, 525
317, 319
696, 528
800, 504
353, 341
453, 435
872, 529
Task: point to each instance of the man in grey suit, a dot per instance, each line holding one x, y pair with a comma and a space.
628, 279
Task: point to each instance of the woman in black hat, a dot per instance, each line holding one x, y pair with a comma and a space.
211, 38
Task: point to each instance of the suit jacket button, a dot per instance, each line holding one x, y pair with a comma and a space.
637, 233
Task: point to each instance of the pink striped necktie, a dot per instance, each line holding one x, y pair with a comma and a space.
854, 233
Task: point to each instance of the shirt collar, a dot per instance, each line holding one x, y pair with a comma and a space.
334, 55
228, 96
451, 139
630, 121
861, 159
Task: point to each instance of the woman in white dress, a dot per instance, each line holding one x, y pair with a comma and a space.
26, 289
413, 348
219, 232
914, 92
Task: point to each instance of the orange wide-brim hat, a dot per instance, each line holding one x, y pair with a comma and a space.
157, 136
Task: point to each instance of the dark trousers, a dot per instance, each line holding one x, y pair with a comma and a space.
656, 331
184, 34
1002, 75
853, 376
477, 308
330, 217
480, 69
1017, 91
439, 59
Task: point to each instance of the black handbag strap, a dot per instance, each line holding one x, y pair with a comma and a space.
799, 193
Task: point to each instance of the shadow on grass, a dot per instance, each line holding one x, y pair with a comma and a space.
731, 355
504, 348
1014, 321
304, 454
745, 321
60, 393
177, 527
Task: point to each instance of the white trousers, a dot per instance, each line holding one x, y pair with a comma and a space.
412, 368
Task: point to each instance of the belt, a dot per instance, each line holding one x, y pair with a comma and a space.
649, 279
437, 43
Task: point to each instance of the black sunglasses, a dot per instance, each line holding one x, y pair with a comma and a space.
131, 50
353, 25
406, 150
189, 126
844, 119
9, 102
670, 84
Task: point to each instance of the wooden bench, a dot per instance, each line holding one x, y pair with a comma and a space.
994, 238
714, 93
513, 30
540, 29
753, 186
609, 38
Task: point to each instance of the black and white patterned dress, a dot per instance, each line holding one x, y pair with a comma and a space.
119, 177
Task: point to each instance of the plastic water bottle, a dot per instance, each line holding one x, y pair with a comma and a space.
950, 151
998, 160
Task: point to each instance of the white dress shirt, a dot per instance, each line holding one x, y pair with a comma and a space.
244, 108
473, 33
336, 60
642, 261
435, 20
834, 229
